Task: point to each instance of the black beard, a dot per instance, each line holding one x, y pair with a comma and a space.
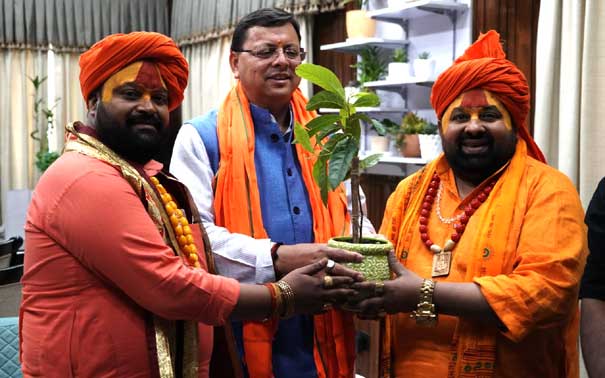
476, 168
123, 138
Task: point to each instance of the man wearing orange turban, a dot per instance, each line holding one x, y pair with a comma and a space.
489, 241
117, 276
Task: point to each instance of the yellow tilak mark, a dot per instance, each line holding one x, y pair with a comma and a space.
127, 74
492, 100
445, 120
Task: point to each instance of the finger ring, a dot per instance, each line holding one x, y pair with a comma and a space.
379, 288
330, 265
328, 282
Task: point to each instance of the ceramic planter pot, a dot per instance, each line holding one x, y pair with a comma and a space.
430, 146
424, 69
379, 143
398, 71
411, 146
375, 265
359, 25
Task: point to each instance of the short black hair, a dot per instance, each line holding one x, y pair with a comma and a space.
266, 17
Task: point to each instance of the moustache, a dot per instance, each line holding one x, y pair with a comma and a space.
148, 119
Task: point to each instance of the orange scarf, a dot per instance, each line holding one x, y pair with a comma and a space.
236, 186
472, 343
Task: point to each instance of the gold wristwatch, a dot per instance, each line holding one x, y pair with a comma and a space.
425, 314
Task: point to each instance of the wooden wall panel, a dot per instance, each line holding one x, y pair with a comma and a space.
330, 28
517, 23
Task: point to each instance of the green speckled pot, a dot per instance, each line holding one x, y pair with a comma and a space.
375, 265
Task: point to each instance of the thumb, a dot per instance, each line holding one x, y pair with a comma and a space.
311, 269
395, 265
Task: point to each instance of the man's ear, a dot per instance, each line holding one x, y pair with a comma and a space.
439, 128
233, 60
92, 105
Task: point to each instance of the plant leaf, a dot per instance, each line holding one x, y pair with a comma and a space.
370, 161
340, 160
328, 148
302, 137
325, 99
323, 122
366, 99
321, 76
319, 174
378, 126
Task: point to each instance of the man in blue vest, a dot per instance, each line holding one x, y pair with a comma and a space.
241, 160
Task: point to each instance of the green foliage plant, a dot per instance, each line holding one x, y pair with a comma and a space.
371, 67
335, 138
43, 115
410, 124
400, 56
424, 55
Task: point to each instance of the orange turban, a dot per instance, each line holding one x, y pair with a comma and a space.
484, 65
117, 51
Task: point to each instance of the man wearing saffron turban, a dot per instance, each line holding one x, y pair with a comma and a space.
259, 202
489, 241
117, 279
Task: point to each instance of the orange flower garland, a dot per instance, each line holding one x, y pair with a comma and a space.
180, 225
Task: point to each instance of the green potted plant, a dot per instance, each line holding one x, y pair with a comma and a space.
335, 140
44, 118
358, 23
399, 68
370, 67
407, 136
424, 67
430, 142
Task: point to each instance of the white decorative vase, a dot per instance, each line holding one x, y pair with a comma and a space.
424, 69
379, 144
430, 146
399, 71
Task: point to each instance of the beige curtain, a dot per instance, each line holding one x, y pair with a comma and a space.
17, 148
570, 87
71, 106
210, 77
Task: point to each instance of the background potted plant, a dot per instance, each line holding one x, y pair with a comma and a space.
358, 23
399, 68
424, 67
370, 66
44, 118
335, 140
407, 137
430, 142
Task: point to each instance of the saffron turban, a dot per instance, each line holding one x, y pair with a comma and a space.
484, 65
117, 51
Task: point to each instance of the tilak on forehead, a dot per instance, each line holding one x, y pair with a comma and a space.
473, 102
144, 73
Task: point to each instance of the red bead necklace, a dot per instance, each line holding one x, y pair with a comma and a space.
462, 220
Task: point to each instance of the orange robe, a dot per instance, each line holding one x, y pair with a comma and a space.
526, 249
96, 269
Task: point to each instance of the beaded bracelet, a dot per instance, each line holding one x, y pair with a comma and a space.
288, 299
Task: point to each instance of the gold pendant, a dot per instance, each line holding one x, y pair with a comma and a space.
441, 263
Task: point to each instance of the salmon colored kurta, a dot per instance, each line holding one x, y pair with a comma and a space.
96, 267
534, 293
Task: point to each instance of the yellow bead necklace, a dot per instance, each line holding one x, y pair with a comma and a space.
180, 225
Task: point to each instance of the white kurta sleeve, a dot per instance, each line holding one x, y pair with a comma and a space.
236, 255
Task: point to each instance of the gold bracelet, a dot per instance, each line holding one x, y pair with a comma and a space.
288, 299
425, 313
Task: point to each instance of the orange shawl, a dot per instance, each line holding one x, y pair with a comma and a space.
236, 186
472, 343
